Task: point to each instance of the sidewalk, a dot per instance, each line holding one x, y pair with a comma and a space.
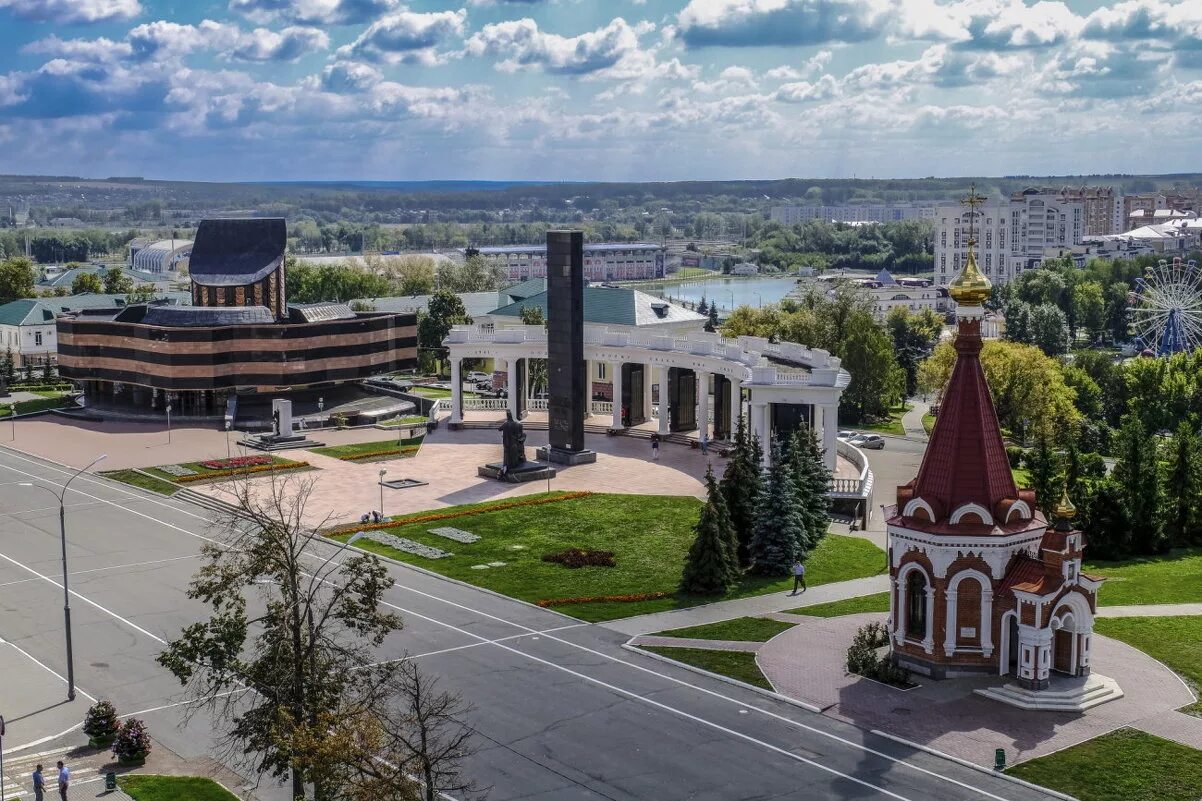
1150, 610
748, 607
912, 420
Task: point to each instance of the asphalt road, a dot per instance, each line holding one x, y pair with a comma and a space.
562, 711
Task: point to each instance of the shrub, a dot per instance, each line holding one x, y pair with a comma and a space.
235, 462
576, 557
863, 659
100, 723
133, 741
590, 599
1015, 455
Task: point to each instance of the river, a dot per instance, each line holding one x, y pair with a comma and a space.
728, 292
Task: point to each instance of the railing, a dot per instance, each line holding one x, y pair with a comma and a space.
485, 404
846, 486
603, 407
851, 486
537, 405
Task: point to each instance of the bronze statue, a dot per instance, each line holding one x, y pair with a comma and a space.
513, 441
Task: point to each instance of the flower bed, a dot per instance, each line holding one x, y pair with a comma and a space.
236, 462
576, 557
456, 534
355, 457
242, 471
177, 470
407, 545
592, 599
433, 516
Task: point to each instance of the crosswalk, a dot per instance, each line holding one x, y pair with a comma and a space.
19, 767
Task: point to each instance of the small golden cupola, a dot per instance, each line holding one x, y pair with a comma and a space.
970, 287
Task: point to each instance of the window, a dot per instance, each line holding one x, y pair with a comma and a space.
916, 605
602, 367
37, 339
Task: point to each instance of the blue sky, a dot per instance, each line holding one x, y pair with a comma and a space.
598, 89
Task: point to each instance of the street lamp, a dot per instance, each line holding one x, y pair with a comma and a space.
62, 527
758, 300
382, 474
169, 422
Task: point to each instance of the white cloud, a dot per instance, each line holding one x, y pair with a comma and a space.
101, 49
314, 12
747, 23
406, 37
66, 12
729, 80
824, 88
813, 65
989, 24
939, 65
611, 51
349, 76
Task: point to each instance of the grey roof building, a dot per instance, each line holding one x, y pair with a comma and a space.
614, 306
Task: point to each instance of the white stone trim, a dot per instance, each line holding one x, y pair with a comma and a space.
899, 635
1019, 506
971, 508
951, 626
915, 504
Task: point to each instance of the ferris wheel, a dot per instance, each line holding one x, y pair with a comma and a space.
1166, 308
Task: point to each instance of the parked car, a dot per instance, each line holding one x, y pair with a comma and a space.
845, 435
475, 376
870, 441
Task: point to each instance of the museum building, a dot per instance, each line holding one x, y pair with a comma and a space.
240, 336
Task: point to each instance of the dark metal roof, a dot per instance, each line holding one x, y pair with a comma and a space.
236, 252
204, 316
319, 312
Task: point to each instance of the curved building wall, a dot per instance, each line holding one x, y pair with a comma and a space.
235, 356
269, 292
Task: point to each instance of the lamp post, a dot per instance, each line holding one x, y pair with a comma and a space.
227, 439
382, 474
732, 298
62, 527
759, 301
168, 422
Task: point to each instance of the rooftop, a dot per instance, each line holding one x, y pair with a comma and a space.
237, 251
596, 247
35, 311
613, 306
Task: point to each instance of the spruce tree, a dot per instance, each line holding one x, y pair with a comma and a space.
47, 372
8, 366
729, 538
711, 324
741, 487
708, 569
779, 530
1106, 525
1044, 470
703, 307
1183, 487
1136, 472
810, 472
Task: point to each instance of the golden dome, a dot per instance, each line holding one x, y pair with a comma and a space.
970, 288
1064, 508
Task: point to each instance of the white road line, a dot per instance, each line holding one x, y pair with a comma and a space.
47, 668
534, 634
110, 567
86, 600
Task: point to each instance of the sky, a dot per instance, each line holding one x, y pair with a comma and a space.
620, 90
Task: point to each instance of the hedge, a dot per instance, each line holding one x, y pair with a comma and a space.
241, 471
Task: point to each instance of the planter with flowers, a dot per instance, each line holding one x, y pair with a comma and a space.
101, 724
132, 744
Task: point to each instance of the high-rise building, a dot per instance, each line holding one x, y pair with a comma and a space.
791, 215
1012, 235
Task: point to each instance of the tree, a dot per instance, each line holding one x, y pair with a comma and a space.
1137, 476
476, 274
1089, 303
703, 307
47, 372
913, 335
1183, 487
444, 311
86, 283
711, 325
878, 383
536, 369
142, 293
1049, 329
8, 366
779, 529
811, 479
304, 653
116, 282
1105, 521
17, 278
1044, 469
741, 488
708, 568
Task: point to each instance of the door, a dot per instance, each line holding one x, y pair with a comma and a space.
682, 394
1062, 652
633, 377
721, 407
1012, 647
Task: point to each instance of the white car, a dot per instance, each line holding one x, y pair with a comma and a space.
846, 435
870, 441
476, 377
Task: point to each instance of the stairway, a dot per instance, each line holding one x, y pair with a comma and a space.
1064, 695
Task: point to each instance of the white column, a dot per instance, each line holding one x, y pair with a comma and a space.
615, 376
511, 387
736, 406
703, 405
928, 642
589, 369
756, 423
830, 430
664, 416
766, 428
456, 392
986, 622
950, 624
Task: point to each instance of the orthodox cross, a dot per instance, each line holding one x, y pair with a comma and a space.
972, 201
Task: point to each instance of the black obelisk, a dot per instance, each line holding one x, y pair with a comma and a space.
567, 372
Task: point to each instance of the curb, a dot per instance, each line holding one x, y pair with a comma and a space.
727, 679
974, 765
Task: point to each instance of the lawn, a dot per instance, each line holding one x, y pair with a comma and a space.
878, 602
174, 788
1175, 577
742, 629
372, 451
928, 422
38, 405
136, 479
1022, 476
438, 392
1125, 765
396, 422
893, 425
736, 664
221, 475
1176, 641
648, 534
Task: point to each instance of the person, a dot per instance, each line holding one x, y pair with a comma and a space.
39, 785
799, 577
655, 447
64, 780
705, 445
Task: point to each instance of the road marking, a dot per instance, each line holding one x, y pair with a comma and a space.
532, 634
47, 668
86, 600
111, 567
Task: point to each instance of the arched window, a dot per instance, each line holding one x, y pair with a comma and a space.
916, 605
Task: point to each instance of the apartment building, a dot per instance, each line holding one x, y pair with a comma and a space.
602, 261
791, 215
1011, 235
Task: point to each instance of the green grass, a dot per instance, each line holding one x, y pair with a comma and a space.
173, 788
1176, 641
136, 479
404, 421
343, 451
1125, 765
736, 664
1022, 476
160, 473
877, 602
891, 426
743, 629
37, 405
1172, 578
649, 535
438, 392
928, 422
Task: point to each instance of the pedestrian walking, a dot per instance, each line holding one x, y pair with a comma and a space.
799, 577
705, 445
39, 785
64, 780
655, 447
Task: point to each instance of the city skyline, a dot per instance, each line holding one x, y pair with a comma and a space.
577, 90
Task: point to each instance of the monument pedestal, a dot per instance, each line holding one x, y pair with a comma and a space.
272, 442
526, 471
565, 456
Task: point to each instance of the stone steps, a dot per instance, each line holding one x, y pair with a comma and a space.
1071, 696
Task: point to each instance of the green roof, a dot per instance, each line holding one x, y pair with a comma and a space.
612, 306
525, 289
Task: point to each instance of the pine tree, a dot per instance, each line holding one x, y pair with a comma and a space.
740, 486
779, 530
729, 537
47, 372
813, 480
1136, 473
28, 373
1044, 470
791, 458
8, 366
1105, 522
708, 569
1183, 487
711, 325
703, 307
